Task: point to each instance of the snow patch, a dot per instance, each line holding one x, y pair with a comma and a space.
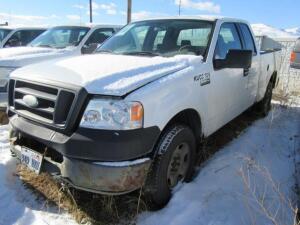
262, 29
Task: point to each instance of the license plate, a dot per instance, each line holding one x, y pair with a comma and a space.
31, 159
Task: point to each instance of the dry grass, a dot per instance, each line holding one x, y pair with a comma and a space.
3, 118
268, 200
86, 208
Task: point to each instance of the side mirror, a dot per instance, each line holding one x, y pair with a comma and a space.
88, 49
235, 59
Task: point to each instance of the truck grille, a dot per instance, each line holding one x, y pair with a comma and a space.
53, 103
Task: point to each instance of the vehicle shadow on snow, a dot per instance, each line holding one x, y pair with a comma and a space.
226, 134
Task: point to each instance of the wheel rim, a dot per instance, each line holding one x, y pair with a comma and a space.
178, 165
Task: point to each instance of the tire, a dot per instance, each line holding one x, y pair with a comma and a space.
264, 106
176, 153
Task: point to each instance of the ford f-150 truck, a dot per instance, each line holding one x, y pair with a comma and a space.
61, 41
132, 114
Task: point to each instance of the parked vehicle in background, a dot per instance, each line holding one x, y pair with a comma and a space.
4, 31
295, 56
60, 41
18, 37
132, 114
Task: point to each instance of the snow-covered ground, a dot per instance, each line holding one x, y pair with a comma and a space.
220, 195
251, 174
19, 205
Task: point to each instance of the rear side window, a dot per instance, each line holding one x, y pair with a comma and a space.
249, 42
228, 39
194, 37
297, 46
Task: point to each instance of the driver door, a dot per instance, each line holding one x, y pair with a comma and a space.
230, 85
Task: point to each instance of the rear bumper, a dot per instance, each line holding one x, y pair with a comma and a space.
295, 65
112, 178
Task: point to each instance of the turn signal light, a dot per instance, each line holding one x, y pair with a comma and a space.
137, 112
293, 57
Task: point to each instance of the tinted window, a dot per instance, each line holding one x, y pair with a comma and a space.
228, 39
161, 37
99, 36
4, 33
297, 47
249, 42
60, 37
22, 37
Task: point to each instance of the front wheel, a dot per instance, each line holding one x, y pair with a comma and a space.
174, 163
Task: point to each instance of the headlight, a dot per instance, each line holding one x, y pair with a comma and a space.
4, 74
113, 115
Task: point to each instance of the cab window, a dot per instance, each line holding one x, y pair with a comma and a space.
249, 42
22, 37
228, 39
100, 35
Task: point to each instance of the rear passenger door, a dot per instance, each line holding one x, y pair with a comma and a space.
254, 70
230, 85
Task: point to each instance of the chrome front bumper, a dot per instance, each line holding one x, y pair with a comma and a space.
111, 178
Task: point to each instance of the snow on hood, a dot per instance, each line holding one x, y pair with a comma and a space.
106, 74
22, 56
19, 51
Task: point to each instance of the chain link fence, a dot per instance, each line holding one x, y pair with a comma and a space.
289, 79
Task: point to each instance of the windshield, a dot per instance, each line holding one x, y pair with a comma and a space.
161, 37
4, 33
60, 37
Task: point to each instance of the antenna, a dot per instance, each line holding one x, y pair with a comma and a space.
179, 8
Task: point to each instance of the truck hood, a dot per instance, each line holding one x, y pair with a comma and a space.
22, 56
105, 74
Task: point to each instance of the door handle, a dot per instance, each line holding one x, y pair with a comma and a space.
246, 72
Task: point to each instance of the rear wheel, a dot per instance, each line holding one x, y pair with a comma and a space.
264, 106
173, 164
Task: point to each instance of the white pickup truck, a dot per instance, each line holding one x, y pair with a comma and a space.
132, 114
61, 41
15, 37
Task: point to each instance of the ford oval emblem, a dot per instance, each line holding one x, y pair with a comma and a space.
31, 101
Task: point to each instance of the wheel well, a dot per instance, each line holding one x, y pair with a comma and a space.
190, 118
273, 79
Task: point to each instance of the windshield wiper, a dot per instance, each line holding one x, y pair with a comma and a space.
46, 46
145, 53
104, 51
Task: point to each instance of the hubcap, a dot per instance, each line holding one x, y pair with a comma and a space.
178, 165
